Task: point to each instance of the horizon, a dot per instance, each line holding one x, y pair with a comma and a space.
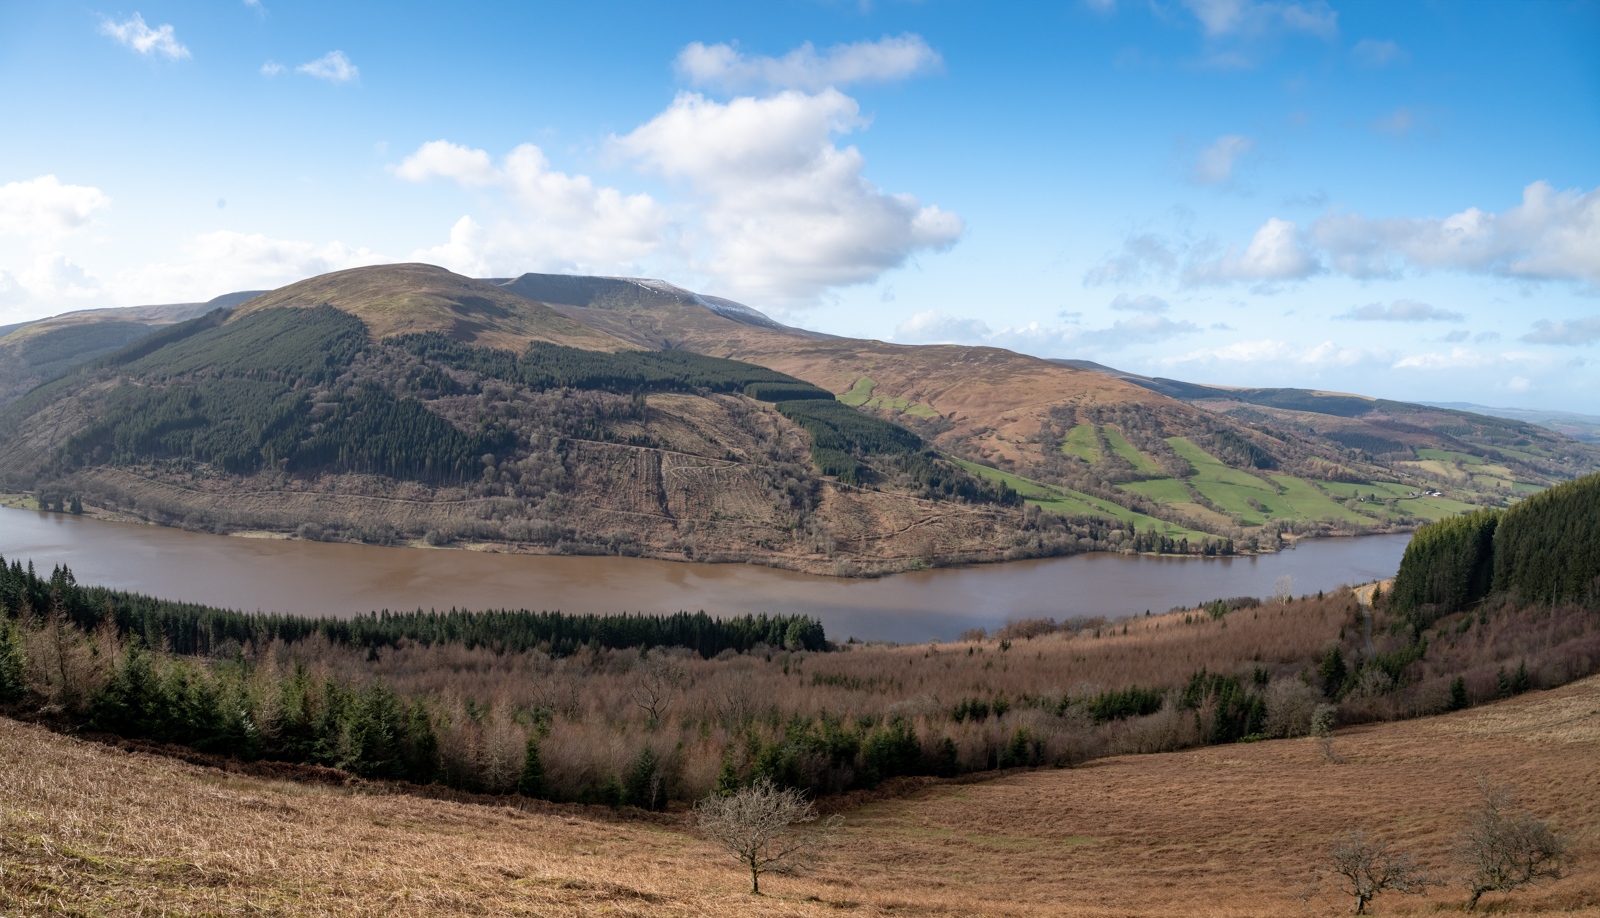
1399, 202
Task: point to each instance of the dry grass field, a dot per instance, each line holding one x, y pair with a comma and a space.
1231, 830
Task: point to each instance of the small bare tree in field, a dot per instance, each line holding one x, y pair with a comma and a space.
1506, 847
757, 826
1322, 730
1363, 867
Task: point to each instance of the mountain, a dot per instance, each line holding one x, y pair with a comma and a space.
32, 352
632, 416
406, 403
1585, 427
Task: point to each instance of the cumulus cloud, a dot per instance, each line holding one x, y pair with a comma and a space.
271, 68
1459, 358
54, 277
224, 261
1401, 311
887, 59
133, 33
1575, 332
1140, 257
1275, 253
333, 67
562, 223
1551, 235
42, 208
1457, 336
1215, 164
1223, 18
782, 213
1144, 303
1371, 52
934, 327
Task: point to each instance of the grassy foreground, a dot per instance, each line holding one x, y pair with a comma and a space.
88, 830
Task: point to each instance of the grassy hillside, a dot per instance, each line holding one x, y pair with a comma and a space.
97, 829
415, 298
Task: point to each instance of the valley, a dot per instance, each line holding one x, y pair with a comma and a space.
316, 401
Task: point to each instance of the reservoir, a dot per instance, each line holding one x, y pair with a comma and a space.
337, 579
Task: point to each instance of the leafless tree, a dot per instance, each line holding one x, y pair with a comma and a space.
1506, 847
757, 826
1364, 867
657, 682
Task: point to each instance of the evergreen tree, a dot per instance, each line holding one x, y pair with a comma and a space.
728, 782
11, 661
1458, 694
531, 783
1521, 682
644, 781
1333, 672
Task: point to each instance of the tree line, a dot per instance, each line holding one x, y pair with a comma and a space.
553, 366
195, 629
1545, 549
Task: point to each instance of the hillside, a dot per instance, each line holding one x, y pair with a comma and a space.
403, 403
1123, 462
33, 352
1238, 829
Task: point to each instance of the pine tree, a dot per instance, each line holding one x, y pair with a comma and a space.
644, 781
77, 505
1333, 672
1521, 682
11, 661
728, 782
1458, 694
531, 784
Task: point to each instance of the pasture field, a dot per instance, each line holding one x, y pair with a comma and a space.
1306, 501
1120, 445
1080, 441
1160, 490
1223, 830
860, 396
1064, 501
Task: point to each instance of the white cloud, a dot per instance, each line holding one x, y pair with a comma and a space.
1459, 358
1140, 257
43, 208
1222, 18
1518, 384
1575, 332
271, 68
1145, 303
1268, 351
53, 277
887, 59
563, 222
783, 213
934, 327
1457, 336
333, 67
1551, 235
1370, 52
1401, 311
1275, 253
225, 261
1215, 164
134, 34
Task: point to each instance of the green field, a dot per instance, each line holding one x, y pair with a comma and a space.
1160, 490
860, 396
1231, 489
1073, 503
1140, 462
1446, 455
1080, 441
1436, 508
1310, 503
859, 393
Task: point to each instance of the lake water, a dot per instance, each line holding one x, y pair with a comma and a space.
315, 578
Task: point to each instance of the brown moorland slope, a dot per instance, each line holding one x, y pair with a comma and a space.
406, 298
1237, 830
994, 398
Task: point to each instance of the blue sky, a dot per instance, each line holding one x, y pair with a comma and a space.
1401, 200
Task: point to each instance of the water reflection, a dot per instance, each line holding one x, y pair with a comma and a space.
336, 579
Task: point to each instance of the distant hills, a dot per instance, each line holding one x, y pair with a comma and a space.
407, 403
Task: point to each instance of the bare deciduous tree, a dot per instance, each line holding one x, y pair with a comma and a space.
657, 681
1506, 847
1364, 867
757, 826
1322, 720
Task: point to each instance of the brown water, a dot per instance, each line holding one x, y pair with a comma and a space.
315, 578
